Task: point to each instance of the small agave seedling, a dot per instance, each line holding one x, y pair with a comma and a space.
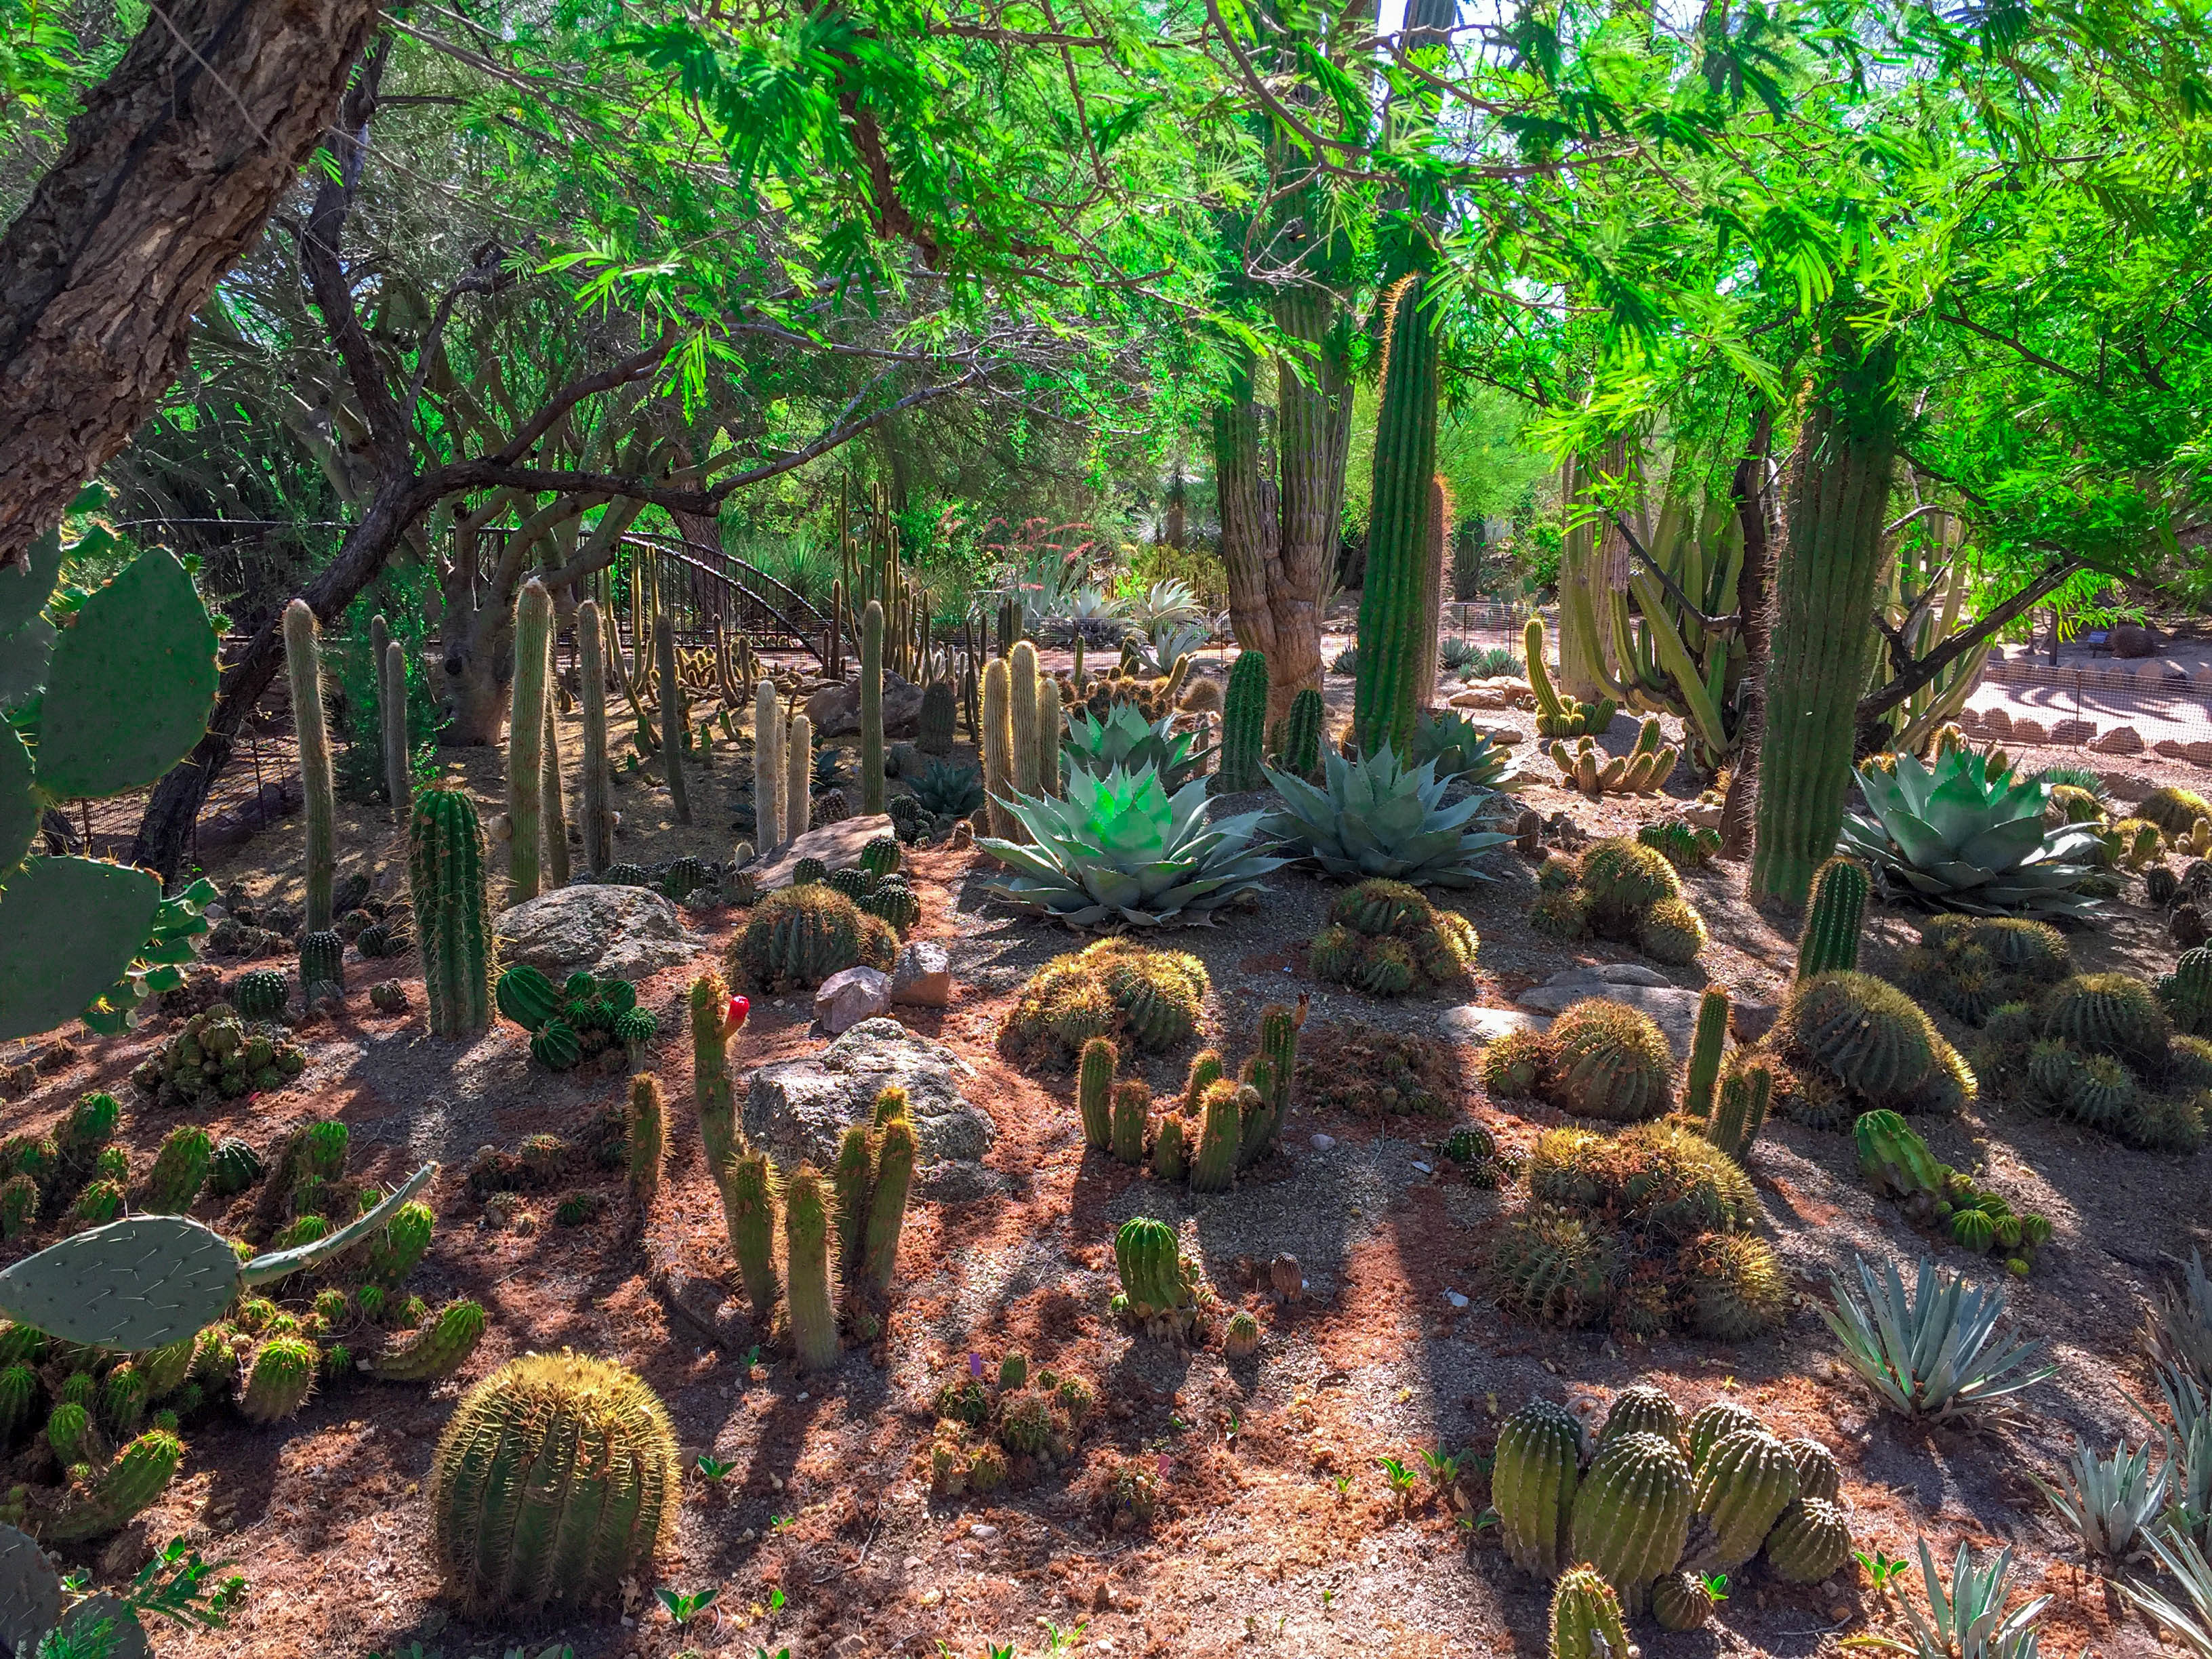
149, 1280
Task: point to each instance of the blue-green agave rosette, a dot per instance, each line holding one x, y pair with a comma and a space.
1955, 838
1374, 816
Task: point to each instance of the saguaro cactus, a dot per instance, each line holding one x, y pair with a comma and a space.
797, 777
1835, 500
1244, 724
525, 740
872, 707
303, 662
672, 715
554, 808
594, 818
998, 748
1829, 943
1393, 603
452, 911
1022, 665
767, 767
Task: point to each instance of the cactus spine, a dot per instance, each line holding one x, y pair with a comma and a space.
711, 1089
594, 818
672, 715
767, 767
647, 1127
797, 777
555, 1480
1741, 1111
1393, 604
1586, 1618
1094, 1089
998, 747
525, 740
1830, 942
1132, 1105
1302, 734
551, 805
1022, 693
303, 663
280, 1379
1835, 499
391, 718
1244, 724
749, 1205
872, 707
810, 1290
1705, 1054
1532, 1484
1220, 1134
452, 911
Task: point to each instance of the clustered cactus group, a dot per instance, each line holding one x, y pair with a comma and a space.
1557, 715
800, 935
1642, 771
1620, 890
1146, 999
2100, 1049
996, 1423
582, 1019
220, 1053
1655, 1511
1218, 1125
1386, 938
1897, 1165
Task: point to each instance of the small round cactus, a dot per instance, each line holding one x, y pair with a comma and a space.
1241, 1339
1532, 1484
1810, 1542
1680, 1601
1586, 1616
280, 1379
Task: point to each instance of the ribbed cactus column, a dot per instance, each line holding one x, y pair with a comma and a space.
1830, 941
767, 767
594, 817
998, 747
392, 709
672, 715
1705, 1053
797, 777
551, 803
452, 911
872, 707
525, 740
716, 1017
303, 662
1049, 718
1244, 726
1393, 602
1835, 500
811, 1278
1302, 731
1022, 665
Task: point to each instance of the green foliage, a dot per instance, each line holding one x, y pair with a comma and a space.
1935, 1351
1123, 739
1957, 838
1384, 938
1374, 818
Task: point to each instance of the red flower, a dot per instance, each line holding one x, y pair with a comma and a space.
739, 1007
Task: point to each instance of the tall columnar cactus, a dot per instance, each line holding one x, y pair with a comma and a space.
1244, 726
1586, 1618
716, 1017
1532, 1484
646, 1126
1705, 1053
1631, 1513
895, 1156
1387, 692
1301, 729
1835, 499
555, 1480
1094, 1089
303, 663
672, 715
526, 740
811, 1282
1133, 1106
452, 911
1022, 695
595, 819
850, 1179
139, 1476
1739, 1112
1051, 719
1830, 942
749, 1197
1220, 1134
767, 767
797, 777
872, 707
934, 731
392, 720
1279, 1046
551, 805
998, 782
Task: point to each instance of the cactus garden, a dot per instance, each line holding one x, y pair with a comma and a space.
974, 833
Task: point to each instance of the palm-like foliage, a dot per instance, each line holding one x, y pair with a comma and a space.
1966, 1617
1167, 642
2190, 1626
1956, 838
1934, 1354
1122, 849
2110, 1502
1373, 817
1125, 740
1170, 600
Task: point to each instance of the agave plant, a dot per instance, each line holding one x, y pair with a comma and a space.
943, 787
1127, 741
2110, 1502
1957, 838
2190, 1626
1122, 849
1167, 643
1934, 1354
1170, 600
2180, 1328
2188, 1454
1375, 817
1458, 749
1966, 1617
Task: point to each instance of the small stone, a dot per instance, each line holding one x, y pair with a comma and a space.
922, 978
1456, 1299
1322, 1143
1423, 1168
846, 998
2199, 753
984, 1530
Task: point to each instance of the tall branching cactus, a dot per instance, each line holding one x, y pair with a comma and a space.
446, 881
767, 767
1829, 943
1835, 499
872, 708
1244, 726
1388, 692
672, 715
526, 740
999, 749
595, 819
303, 663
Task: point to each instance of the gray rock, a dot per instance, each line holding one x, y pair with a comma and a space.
837, 845
835, 709
616, 933
1474, 1024
799, 1108
1750, 1021
1673, 1009
845, 998
922, 977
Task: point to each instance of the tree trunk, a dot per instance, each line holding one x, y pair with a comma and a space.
1835, 499
167, 174
1313, 437
1249, 528
478, 671
1754, 601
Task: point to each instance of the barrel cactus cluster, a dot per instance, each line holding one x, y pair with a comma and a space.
1970, 966
220, 1055
1847, 1042
877, 888
800, 935
1384, 938
1897, 1163
2186, 994
1146, 1000
1654, 1510
1623, 891
1218, 1125
582, 1019
997, 1422
2101, 1050
1163, 1295
1642, 771
1599, 1059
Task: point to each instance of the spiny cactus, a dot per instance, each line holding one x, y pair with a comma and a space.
1631, 1513
527, 996
1117, 987
1705, 1053
1155, 1280
1244, 726
751, 1195
1741, 1111
259, 994
1000, 783
322, 965
1641, 1408
1171, 1150
1709, 1425
811, 1282
526, 740
1132, 1103
1680, 1601
1606, 1060
557, 1479
1557, 1267
1022, 704
798, 798
1737, 1288
1892, 1156
280, 1378
1558, 716
934, 733
594, 817
1094, 1089
453, 915
2107, 1014
674, 726
895, 1151
1864, 1033
1744, 1484
768, 766
1302, 733
1830, 941
1221, 1133
872, 708
139, 1476
1532, 1484
645, 1125
303, 663
803, 934
395, 1252
1278, 1047
1809, 1542
233, 1167
179, 1169
438, 1349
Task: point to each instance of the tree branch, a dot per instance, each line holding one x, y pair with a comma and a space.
1910, 680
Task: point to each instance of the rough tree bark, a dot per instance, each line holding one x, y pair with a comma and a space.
166, 176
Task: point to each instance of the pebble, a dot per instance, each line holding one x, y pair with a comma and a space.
1423, 1168
1456, 1299
1322, 1143
982, 1529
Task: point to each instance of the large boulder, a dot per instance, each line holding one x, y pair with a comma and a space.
1672, 1008
835, 709
838, 845
800, 1108
616, 933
